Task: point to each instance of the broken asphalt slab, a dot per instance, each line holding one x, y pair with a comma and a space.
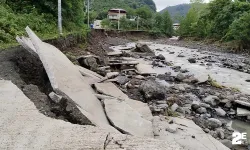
109, 89
23, 127
66, 79
126, 119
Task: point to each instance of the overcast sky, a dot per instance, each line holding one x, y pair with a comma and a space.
161, 4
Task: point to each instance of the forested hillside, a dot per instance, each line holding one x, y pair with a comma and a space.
178, 10
101, 5
221, 20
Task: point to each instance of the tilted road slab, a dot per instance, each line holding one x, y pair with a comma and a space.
23, 127
109, 88
66, 79
126, 119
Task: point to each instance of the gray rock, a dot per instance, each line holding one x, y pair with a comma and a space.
220, 133
89, 62
54, 97
152, 90
205, 105
212, 100
161, 57
220, 112
180, 77
224, 101
227, 143
180, 55
206, 130
192, 60
205, 116
228, 104
174, 107
122, 80
162, 106
195, 105
213, 123
161, 102
187, 110
142, 48
181, 110
201, 110
172, 128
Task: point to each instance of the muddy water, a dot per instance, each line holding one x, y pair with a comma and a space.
242, 127
225, 76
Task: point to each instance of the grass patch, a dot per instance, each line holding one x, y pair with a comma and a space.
214, 83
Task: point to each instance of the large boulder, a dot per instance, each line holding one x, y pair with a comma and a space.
212, 100
161, 57
152, 90
89, 62
213, 123
143, 48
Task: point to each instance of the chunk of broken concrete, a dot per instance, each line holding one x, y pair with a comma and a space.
109, 89
126, 119
242, 112
66, 80
144, 69
54, 97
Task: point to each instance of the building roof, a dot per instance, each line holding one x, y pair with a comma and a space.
176, 24
118, 9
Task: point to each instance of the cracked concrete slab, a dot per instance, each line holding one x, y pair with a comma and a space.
66, 79
23, 127
108, 88
126, 119
187, 134
145, 69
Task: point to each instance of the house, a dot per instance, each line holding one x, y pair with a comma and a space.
116, 14
176, 26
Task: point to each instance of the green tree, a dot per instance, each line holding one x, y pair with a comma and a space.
144, 12
239, 31
167, 24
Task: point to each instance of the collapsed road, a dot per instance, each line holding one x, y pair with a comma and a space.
145, 96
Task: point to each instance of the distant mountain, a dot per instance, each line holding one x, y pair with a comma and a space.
180, 10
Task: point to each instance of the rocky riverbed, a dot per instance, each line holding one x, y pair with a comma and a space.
211, 88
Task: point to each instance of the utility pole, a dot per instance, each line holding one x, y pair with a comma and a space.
137, 23
119, 19
88, 12
60, 17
